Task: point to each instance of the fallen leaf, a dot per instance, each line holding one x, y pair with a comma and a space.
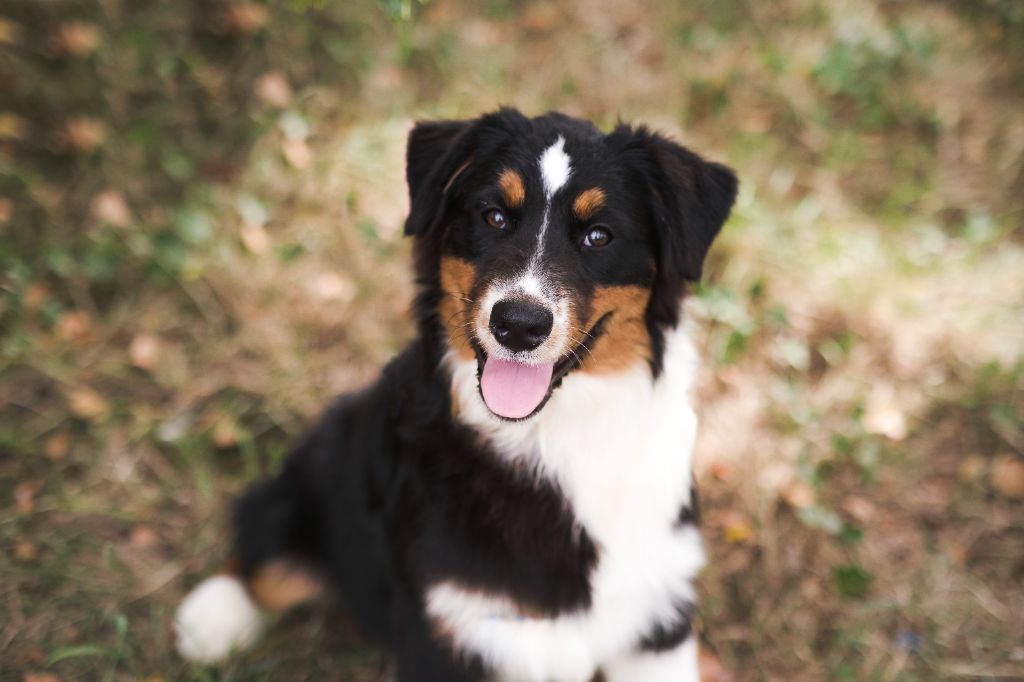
57, 446
540, 18
720, 470
6, 209
144, 350
883, 416
331, 286
859, 508
10, 32
255, 238
1007, 476
74, 39
109, 206
273, 88
12, 127
81, 134
225, 432
798, 494
87, 403
143, 537
297, 153
243, 18
735, 527
74, 326
25, 495
24, 550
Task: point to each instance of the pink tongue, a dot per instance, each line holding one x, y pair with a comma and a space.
514, 389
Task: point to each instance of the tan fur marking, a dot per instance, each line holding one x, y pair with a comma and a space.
512, 188
278, 586
624, 339
457, 279
589, 202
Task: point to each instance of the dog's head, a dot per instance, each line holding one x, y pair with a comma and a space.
546, 247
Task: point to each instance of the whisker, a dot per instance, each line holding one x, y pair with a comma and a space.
459, 296
579, 340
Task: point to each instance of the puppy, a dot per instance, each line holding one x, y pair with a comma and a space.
512, 499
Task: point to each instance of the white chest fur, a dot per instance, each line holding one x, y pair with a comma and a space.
619, 447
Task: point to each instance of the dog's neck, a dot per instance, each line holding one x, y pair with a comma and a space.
604, 439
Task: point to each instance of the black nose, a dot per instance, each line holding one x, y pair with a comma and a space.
520, 325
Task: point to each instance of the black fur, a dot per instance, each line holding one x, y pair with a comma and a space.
689, 514
389, 494
668, 637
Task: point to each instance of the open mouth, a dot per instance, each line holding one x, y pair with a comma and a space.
515, 390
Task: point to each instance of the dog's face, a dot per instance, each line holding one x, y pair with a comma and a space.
545, 247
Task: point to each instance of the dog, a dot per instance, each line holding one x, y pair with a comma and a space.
512, 500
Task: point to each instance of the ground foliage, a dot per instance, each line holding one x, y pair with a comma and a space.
200, 209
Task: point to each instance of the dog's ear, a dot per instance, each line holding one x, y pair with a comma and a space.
437, 152
690, 201
440, 152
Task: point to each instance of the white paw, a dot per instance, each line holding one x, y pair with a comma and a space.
216, 618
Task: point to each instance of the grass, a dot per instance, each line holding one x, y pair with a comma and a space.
200, 220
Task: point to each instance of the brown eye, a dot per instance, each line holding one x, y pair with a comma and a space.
597, 237
496, 219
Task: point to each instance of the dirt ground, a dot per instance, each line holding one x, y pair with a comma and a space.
200, 217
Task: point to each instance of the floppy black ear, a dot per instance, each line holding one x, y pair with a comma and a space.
435, 154
438, 154
690, 201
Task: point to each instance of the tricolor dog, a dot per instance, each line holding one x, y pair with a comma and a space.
512, 499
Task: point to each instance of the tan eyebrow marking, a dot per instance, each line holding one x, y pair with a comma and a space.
588, 203
512, 188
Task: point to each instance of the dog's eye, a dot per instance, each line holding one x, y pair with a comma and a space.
597, 237
496, 219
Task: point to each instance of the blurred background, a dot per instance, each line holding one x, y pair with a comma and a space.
200, 213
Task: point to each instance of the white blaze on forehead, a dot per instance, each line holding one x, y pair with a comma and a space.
533, 286
555, 167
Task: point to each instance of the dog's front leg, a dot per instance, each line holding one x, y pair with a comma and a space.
528, 650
